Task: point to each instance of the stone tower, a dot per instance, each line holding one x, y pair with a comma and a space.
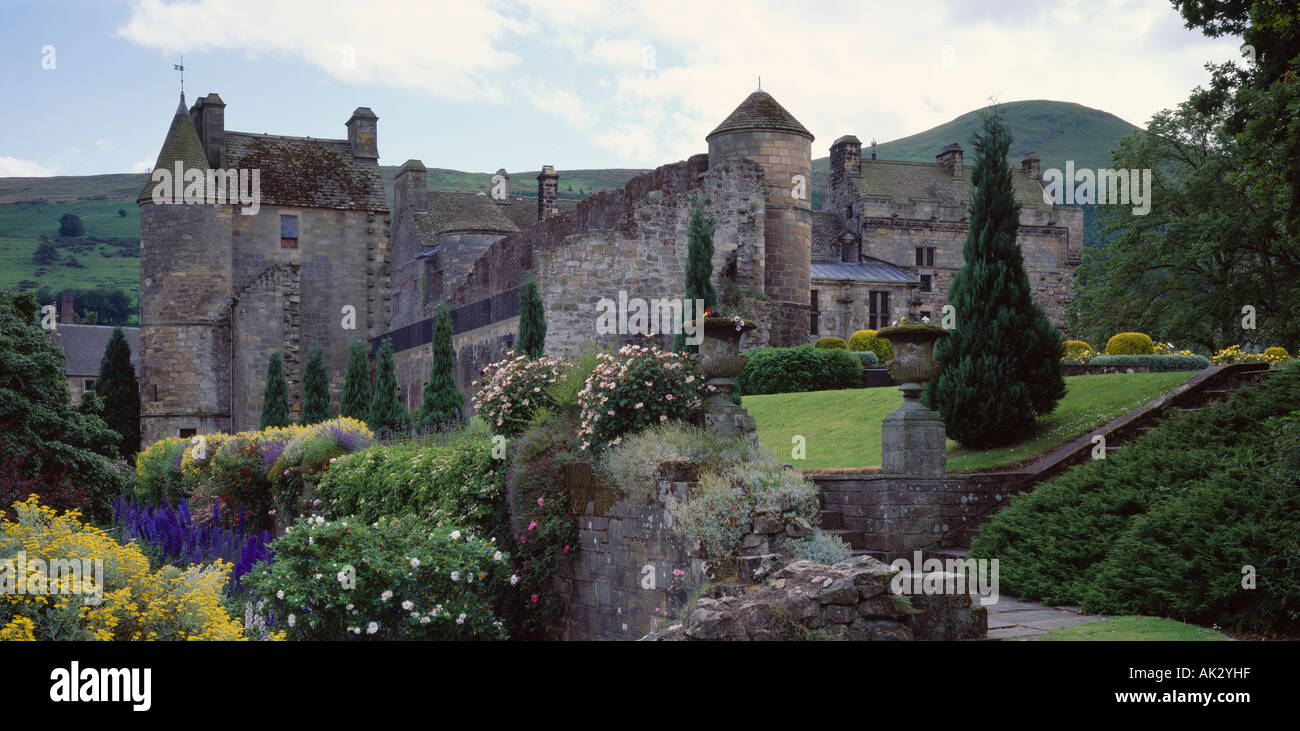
185, 297
762, 131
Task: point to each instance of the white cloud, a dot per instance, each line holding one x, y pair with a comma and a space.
879, 70
104, 145
12, 167
142, 166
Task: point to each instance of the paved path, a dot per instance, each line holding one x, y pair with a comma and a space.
1012, 618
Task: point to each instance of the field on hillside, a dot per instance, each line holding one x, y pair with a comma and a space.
842, 428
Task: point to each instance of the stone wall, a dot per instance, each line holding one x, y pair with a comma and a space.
839, 318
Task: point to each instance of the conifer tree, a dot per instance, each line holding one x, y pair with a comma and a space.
532, 319
699, 265
1001, 366
442, 400
275, 398
117, 386
388, 417
315, 388
355, 402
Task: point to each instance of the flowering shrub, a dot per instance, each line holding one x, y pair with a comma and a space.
634, 388
170, 536
512, 389
545, 534
238, 485
1233, 354
456, 483
131, 603
158, 471
393, 579
306, 458
1130, 344
1076, 351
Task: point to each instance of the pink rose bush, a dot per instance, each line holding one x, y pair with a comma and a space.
511, 390
635, 388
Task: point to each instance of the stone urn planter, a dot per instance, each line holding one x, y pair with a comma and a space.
719, 361
913, 436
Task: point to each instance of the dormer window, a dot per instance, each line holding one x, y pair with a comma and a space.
288, 232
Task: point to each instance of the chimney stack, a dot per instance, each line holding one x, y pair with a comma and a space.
1031, 166
548, 190
846, 160
363, 134
209, 117
950, 158
67, 315
501, 185
410, 188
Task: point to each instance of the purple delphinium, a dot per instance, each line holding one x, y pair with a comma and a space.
176, 539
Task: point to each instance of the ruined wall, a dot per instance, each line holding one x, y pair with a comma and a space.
185, 293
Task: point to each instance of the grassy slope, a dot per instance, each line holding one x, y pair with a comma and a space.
842, 428
1055, 130
1133, 629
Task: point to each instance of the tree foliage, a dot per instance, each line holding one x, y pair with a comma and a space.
388, 417
275, 397
532, 319
117, 386
442, 401
315, 388
699, 264
355, 402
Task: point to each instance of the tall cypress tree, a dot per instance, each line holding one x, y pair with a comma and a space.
442, 400
699, 264
117, 386
275, 398
315, 388
532, 319
355, 402
388, 417
1001, 366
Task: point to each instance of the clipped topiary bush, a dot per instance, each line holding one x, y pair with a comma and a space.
867, 340
829, 343
1130, 344
1076, 351
1157, 363
861, 340
798, 369
1276, 353
868, 359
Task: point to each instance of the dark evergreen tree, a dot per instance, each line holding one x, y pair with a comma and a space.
315, 388
532, 319
442, 400
355, 402
275, 397
46, 254
699, 265
388, 417
1001, 366
117, 386
70, 225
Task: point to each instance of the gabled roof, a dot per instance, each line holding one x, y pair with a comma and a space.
760, 111
306, 172
83, 347
905, 182
448, 211
181, 144
826, 230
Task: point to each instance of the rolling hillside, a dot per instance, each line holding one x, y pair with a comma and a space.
31, 207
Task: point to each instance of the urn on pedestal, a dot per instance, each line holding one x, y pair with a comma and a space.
912, 435
719, 361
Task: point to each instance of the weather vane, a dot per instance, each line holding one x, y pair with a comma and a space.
181, 68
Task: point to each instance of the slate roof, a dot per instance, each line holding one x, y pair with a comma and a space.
456, 211
869, 270
826, 230
307, 172
760, 111
905, 182
83, 347
182, 143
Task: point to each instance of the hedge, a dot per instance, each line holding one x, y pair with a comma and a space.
829, 343
1130, 344
798, 369
1154, 362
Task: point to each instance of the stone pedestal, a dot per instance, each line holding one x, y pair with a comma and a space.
912, 441
720, 361
721, 416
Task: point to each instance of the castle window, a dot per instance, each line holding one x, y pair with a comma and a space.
88, 384
925, 256
288, 232
814, 324
877, 310
925, 282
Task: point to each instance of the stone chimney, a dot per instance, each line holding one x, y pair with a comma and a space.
209, 117
363, 134
67, 314
501, 185
950, 158
846, 160
1031, 166
410, 188
548, 190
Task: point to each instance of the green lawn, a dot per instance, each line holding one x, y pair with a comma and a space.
842, 428
1132, 629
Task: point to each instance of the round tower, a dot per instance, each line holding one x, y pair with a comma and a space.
185, 295
762, 131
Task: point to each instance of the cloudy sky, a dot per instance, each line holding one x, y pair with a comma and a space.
478, 84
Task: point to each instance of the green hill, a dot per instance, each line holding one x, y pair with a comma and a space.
108, 254
1055, 131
